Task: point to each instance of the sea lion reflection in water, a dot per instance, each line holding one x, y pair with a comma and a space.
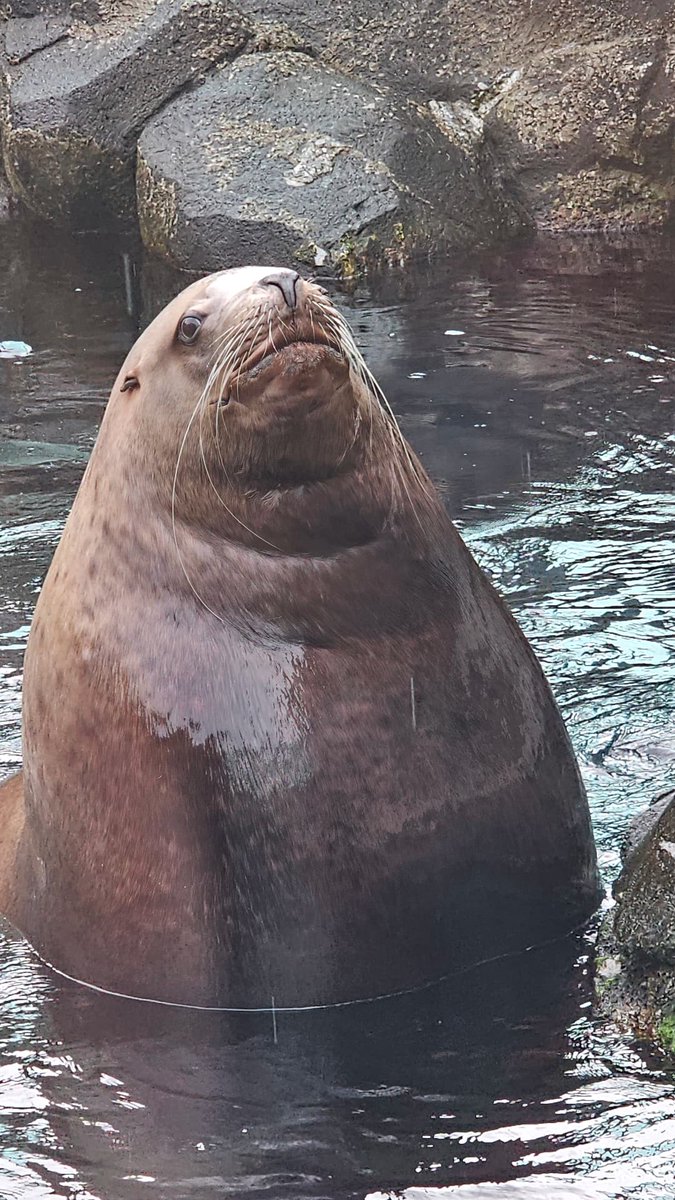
281, 736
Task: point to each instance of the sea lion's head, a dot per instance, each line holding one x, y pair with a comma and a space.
246, 394
261, 364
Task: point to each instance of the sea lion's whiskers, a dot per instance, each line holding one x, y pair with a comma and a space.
284, 324
225, 348
357, 413
224, 363
198, 408
233, 348
227, 342
221, 354
227, 358
374, 390
356, 360
339, 330
270, 335
227, 334
338, 333
233, 329
201, 599
253, 340
357, 426
233, 353
329, 320
216, 370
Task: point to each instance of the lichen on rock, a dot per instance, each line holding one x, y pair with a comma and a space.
157, 209
590, 126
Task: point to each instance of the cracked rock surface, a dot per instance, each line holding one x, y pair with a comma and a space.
592, 127
277, 155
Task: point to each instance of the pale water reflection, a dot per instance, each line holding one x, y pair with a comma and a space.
540, 390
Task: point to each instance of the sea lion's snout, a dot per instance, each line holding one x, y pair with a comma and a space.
287, 282
294, 376
292, 331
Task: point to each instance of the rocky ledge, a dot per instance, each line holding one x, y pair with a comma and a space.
333, 132
635, 965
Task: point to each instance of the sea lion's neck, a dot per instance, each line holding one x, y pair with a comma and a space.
317, 519
308, 564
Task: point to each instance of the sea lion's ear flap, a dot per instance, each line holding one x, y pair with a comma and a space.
130, 382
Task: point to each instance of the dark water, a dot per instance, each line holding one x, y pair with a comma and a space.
540, 390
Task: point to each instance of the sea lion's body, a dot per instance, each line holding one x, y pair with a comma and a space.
281, 737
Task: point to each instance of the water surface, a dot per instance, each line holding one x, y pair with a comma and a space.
539, 388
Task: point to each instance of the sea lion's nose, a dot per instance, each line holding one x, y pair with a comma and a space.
286, 281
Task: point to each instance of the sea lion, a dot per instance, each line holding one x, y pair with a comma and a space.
283, 743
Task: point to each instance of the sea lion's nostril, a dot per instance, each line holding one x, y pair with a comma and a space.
286, 281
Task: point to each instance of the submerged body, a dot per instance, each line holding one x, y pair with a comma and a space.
281, 736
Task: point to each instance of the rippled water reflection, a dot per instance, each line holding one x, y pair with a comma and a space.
539, 389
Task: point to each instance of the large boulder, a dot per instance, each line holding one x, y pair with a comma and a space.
277, 156
635, 969
447, 49
76, 100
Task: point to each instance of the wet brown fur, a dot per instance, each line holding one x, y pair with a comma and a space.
281, 737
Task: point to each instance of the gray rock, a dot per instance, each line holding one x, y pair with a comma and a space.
580, 95
591, 128
577, 99
636, 994
446, 51
277, 156
635, 960
642, 825
644, 922
25, 35
74, 109
6, 200
35, 8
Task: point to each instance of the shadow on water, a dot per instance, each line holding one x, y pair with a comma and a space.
539, 390
102, 1089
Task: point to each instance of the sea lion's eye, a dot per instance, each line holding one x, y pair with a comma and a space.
188, 330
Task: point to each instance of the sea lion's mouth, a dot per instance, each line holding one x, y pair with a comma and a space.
285, 352
273, 347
